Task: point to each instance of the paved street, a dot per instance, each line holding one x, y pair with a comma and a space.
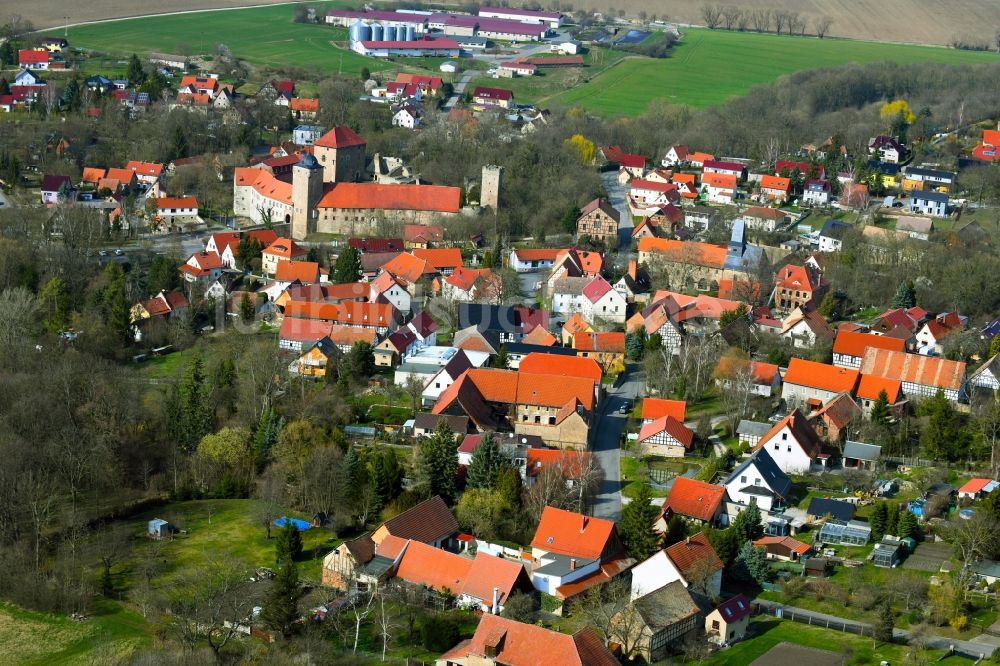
606, 444
616, 196
460, 85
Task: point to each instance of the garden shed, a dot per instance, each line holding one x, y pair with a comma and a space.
160, 529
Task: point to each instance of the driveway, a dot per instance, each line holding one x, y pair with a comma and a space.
460, 85
606, 445
616, 197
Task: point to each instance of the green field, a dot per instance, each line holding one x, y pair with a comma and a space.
709, 67
264, 36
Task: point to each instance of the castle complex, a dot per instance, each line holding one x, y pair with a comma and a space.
325, 194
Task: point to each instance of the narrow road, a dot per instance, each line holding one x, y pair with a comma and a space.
973, 649
606, 445
616, 197
460, 85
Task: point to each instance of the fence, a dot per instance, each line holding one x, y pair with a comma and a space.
787, 613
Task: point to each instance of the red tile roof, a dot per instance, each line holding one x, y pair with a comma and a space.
304, 330
870, 386
655, 408
557, 364
599, 342
32, 57
286, 248
572, 534
913, 368
692, 552
448, 258
852, 343
406, 196
537, 254
975, 485
517, 644
264, 183
434, 568
492, 93
821, 376
341, 136
802, 433
669, 425
788, 542
306, 104
694, 499
164, 203
306, 272
689, 252
429, 521
775, 183
570, 463
145, 168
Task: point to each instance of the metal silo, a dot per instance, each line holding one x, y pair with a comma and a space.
364, 32
355, 31
389, 32
376, 32
409, 33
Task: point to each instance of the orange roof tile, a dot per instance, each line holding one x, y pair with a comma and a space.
719, 180
775, 183
408, 267
440, 258
655, 408
264, 183
306, 104
437, 569
852, 343
694, 499
92, 175
306, 272
577, 324
341, 136
505, 641
553, 364
690, 252
669, 425
538, 254
688, 178
693, 551
599, 342
145, 168
176, 202
802, 432
791, 544
121, 175
870, 386
572, 534
538, 336
285, 248
571, 463
376, 196
821, 376
913, 368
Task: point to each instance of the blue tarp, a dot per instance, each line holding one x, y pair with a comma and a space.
300, 525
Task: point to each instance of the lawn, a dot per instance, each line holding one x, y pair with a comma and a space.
40, 638
263, 36
770, 631
226, 529
708, 67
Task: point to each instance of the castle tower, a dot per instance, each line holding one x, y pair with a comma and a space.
341, 153
307, 188
489, 190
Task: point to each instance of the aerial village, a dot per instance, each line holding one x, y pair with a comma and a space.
641, 439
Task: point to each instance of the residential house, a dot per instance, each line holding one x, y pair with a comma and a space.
697, 218
298, 335
975, 489
647, 195
155, 311
693, 500
492, 98
987, 376
798, 287
575, 324
381, 317
594, 298
930, 336
662, 618
908, 319
918, 228
719, 188
676, 156
608, 349
430, 522
666, 437
33, 59
862, 456
533, 259
804, 169
574, 262
422, 236
394, 348
502, 642
147, 173
749, 432
763, 218
444, 376
735, 169
202, 267
816, 192
831, 235
316, 360
408, 116
280, 249
805, 329
729, 621
887, 149
679, 564
687, 185
571, 552
821, 508
927, 180
782, 548
599, 220
832, 420
471, 284
849, 347
755, 377
808, 382
504, 323
386, 288
774, 189
54, 189
757, 480
869, 389
928, 203
792, 444
920, 376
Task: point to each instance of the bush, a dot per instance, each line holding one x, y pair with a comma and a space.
959, 622
439, 632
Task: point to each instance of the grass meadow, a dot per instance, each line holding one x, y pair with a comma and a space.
710, 66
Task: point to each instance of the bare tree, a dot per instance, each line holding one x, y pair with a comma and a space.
385, 624
821, 24
760, 19
213, 604
711, 14
976, 537
736, 386
364, 605
796, 24
730, 16
987, 422
414, 388
610, 611
37, 492
743, 20
780, 17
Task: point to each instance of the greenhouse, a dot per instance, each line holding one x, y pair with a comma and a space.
846, 533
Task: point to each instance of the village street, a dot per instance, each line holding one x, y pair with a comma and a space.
606, 445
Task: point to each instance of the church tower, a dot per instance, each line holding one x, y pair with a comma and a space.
307, 188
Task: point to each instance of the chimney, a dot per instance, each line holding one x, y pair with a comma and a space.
572, 564
495, 608
583, 523
687, 540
